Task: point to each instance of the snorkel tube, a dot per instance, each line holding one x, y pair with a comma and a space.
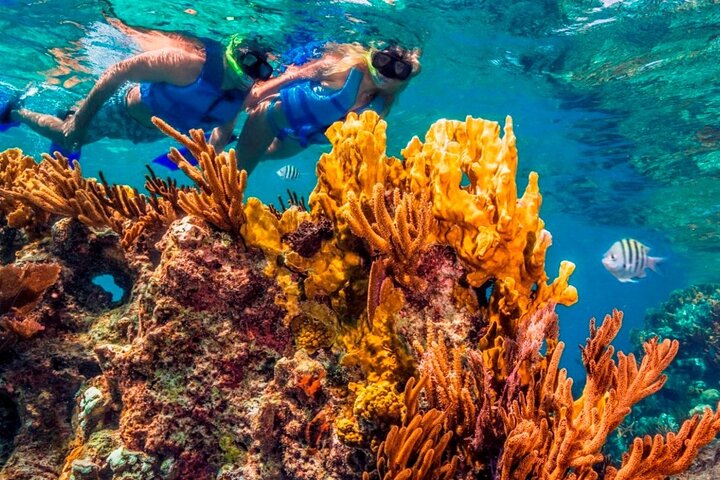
374, 74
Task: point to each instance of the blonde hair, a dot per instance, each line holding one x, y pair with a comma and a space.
350, 56
353, 55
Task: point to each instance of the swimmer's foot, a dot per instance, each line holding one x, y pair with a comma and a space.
9, 101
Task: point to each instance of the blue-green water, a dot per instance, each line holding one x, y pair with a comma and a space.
615, 104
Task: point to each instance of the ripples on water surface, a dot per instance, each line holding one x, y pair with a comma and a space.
615, 105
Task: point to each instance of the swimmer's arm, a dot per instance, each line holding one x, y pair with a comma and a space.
171, 65
221, 135
310, 71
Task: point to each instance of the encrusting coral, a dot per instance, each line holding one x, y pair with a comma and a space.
402, 328
21, 289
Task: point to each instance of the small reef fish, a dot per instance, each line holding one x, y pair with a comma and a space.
288, 172
627, 260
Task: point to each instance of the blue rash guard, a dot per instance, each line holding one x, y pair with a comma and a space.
309, 108
203, 103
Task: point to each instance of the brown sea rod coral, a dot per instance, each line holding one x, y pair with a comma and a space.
16, 168
221, 183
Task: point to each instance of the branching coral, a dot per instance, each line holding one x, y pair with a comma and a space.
416, 450
221, 183
551, 436
57, 188
14, 169
401, 237
451, 386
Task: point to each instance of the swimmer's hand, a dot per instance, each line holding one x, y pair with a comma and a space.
72, 132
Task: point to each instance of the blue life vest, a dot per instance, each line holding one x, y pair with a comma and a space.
203, 103
310, 108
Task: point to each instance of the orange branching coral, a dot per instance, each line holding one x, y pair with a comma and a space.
402, 237
451, 386
658, 457
220, 181
551, 436
416, 450
20, 291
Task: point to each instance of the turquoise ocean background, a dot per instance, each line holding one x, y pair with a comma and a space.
614, 103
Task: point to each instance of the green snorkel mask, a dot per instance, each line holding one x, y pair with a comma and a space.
246, 61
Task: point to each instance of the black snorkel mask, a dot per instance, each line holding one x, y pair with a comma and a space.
390, 64
247, 61
255, 65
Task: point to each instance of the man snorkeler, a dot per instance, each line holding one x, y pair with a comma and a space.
188, 82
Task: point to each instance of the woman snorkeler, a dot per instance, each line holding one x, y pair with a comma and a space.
348, 77
188, 82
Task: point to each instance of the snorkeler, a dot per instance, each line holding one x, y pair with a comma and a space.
347, 78
188, 82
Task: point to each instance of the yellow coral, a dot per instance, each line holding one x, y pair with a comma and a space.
379, 402
328, 270
348, 431
357, 162
315, 327
375, 347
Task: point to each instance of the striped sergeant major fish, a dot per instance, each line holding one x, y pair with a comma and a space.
627, 260
288, 172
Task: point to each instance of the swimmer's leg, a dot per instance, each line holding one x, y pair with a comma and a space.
255, 138
48, 126
284, 148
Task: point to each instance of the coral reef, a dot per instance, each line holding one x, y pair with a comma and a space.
692, 316
401, 327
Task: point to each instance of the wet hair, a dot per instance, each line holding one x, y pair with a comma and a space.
353, 54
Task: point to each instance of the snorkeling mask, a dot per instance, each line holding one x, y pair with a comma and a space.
247, 61
390, 64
